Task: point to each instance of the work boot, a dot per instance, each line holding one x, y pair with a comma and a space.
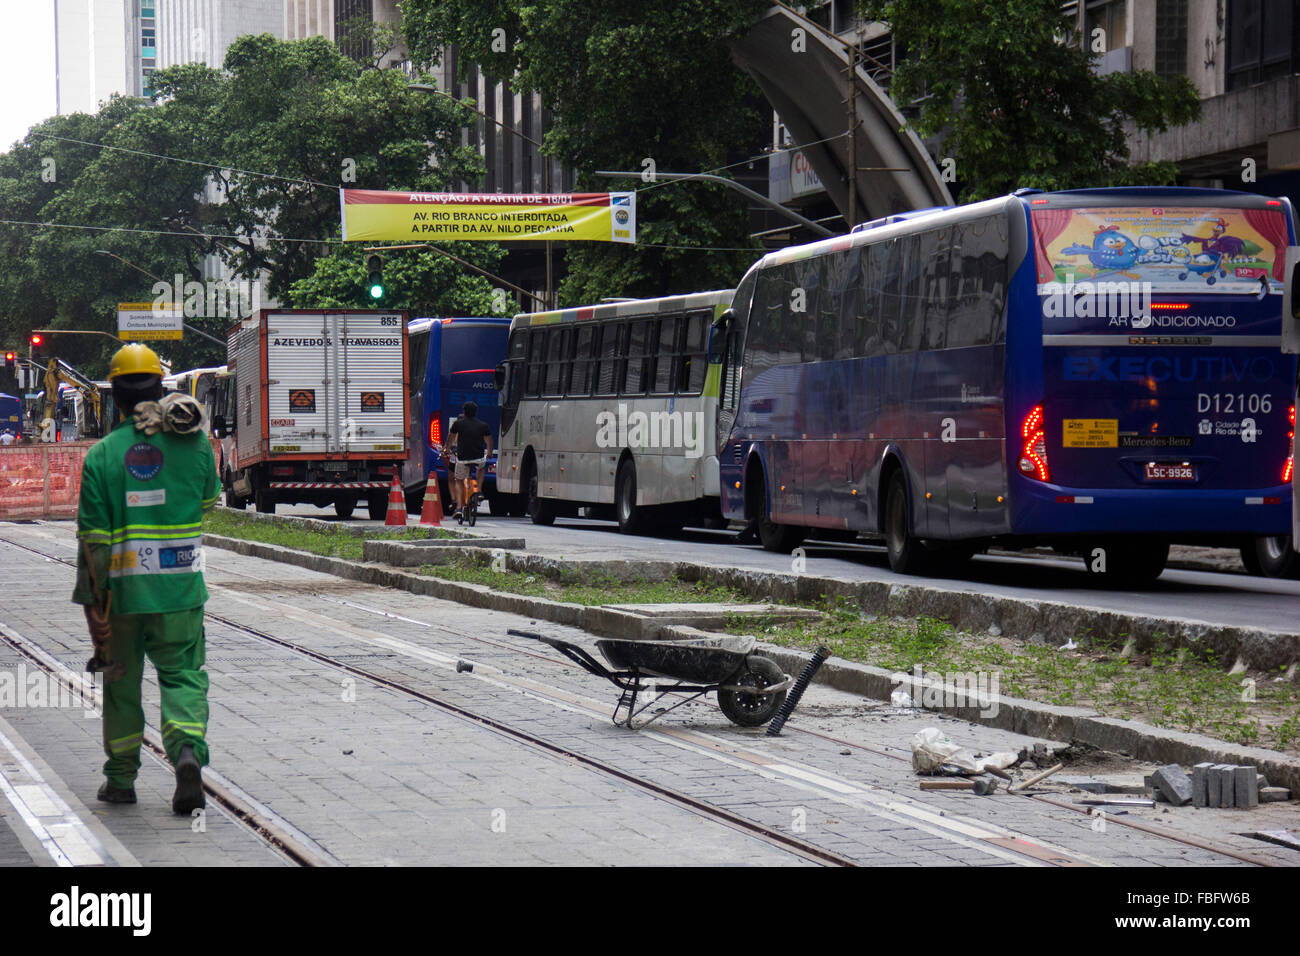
111, 794
189, 783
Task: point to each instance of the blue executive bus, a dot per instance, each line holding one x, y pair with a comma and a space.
11, 415
1096, 370
452, 362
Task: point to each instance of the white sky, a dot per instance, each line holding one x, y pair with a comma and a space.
26, 68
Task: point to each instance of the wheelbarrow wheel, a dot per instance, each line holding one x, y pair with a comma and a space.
753, 710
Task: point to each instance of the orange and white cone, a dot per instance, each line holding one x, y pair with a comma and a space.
431, 512
396, 505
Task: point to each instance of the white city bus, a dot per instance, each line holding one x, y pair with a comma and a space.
615, 407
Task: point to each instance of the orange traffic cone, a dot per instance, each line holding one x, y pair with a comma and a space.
396, 505
431, 511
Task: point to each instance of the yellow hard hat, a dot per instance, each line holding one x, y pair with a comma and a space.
134, 359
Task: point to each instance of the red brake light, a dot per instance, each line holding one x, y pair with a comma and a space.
435, 430
1033, 456
1288, 469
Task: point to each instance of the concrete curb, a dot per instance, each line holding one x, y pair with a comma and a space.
1030, 718
410, 554
334, 527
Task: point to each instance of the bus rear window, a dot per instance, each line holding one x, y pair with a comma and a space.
1140, 252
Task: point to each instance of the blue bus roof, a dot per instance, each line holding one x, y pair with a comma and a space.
422, 324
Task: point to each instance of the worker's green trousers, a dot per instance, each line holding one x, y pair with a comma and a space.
174, 643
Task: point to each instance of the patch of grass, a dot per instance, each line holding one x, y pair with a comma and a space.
335, 543
1164, 687
586, 589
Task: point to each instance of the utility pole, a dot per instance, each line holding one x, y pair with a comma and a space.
851, 102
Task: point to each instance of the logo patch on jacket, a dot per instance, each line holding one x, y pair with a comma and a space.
143, 461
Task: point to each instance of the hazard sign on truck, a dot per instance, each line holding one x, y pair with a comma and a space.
317, 408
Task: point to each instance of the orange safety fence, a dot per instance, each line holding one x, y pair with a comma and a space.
41, 481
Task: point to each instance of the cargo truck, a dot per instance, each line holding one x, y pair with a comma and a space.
317, 409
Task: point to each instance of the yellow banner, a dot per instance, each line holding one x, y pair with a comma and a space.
372, 215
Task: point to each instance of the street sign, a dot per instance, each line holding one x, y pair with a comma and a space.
137, 321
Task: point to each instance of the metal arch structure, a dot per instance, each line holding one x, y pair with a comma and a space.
808, 89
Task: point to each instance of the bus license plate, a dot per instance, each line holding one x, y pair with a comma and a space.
335, 466
1157, 471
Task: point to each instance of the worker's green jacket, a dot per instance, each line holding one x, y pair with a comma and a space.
141, 519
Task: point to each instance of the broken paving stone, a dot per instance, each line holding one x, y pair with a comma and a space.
1273, 794
1174, 784
1090, 784
1028, 765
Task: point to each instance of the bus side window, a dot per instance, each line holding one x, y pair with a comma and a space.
536, 361
934, 284
902, 291
634, 381
666, 355
865, 306
607, 373
692, 368
580, 383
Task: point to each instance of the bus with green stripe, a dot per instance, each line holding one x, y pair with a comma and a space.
614, 408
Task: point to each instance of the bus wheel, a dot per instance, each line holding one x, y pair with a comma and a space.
907, 555
343, 507
1271, 556
540, 511
781, 538
631, 519
1128, 562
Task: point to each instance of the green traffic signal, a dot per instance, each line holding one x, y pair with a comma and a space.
375, 266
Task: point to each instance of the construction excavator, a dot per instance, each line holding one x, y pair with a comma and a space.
74, 405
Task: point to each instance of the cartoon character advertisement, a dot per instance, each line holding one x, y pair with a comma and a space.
1175, 250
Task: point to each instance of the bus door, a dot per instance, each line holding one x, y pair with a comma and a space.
1161, 364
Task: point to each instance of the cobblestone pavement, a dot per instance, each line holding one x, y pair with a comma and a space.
376, 776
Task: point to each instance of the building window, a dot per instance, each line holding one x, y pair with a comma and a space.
1262, 41
1110, 16
1171, 37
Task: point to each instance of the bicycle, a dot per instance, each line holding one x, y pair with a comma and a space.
468, 512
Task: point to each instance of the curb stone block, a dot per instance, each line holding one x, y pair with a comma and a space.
1246, 790
1201, 784
1173, 783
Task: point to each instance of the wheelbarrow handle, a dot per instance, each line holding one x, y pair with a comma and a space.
573, 652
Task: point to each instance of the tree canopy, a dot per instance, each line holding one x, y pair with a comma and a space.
625, 83
244, 162
1014, 93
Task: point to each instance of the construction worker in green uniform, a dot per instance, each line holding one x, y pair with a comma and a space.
144, 488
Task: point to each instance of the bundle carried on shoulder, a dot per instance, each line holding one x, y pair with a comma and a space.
176, 412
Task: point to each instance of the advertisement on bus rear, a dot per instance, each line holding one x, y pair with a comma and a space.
1160, 251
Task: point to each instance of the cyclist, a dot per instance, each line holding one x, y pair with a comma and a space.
473, 445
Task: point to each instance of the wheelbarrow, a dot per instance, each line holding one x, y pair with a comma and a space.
750, 688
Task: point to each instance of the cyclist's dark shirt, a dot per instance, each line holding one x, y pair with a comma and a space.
471, 436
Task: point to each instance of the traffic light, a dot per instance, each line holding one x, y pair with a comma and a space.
37, 341
375, 283
11, 359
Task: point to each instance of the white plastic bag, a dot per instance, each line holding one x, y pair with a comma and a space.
931, 749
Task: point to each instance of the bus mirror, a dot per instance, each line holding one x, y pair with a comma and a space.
725, 319
219, 426
1291, 302
499, 376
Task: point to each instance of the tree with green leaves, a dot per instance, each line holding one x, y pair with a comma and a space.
625, 84
243, 162
1014, 94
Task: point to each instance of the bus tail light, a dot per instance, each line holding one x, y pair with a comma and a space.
435, 430
1288, 469
1033, 456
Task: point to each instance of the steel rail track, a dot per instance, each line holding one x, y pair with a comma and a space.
719, 815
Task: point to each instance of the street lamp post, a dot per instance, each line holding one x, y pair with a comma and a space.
184, 324
546, 172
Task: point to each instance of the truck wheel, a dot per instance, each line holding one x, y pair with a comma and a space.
631, 519
378, 505
343, 507
1271, 556
264, 500
234, 501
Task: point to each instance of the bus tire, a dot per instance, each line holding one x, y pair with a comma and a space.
1129, 563
907, 554
781, 538
540, 511
343, 507
631, 519
1271, 556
